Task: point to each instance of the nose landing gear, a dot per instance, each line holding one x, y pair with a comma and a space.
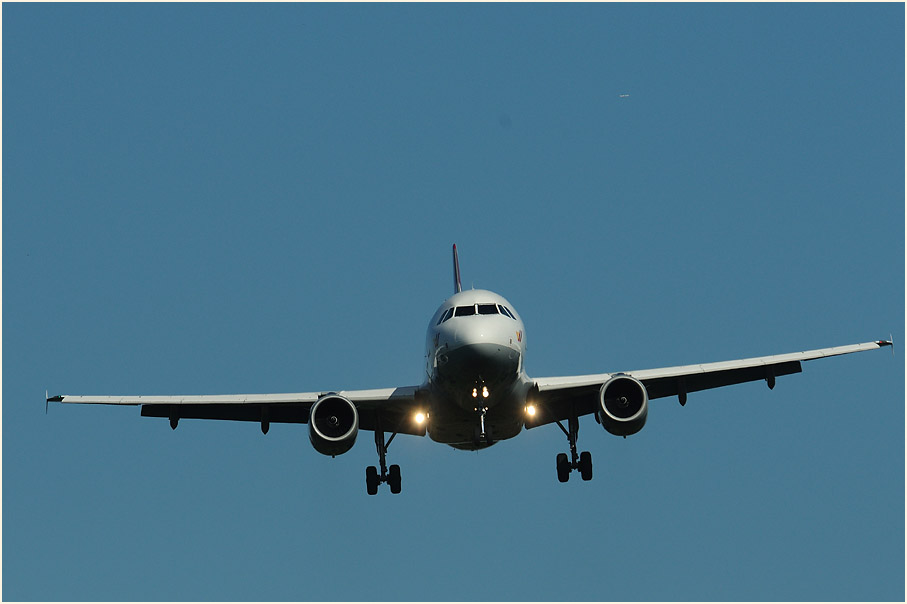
481, 432
581, 462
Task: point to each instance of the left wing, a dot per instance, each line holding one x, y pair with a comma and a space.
393, 406
557, 398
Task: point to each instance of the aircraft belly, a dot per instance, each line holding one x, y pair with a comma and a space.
460, 432
449, 424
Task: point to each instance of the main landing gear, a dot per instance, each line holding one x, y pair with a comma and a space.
581, 462
389, 475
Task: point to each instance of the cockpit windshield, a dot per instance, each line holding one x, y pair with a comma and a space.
475, 309
488, 309
465, 311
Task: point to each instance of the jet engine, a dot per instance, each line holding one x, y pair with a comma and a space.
333, 424
623, 405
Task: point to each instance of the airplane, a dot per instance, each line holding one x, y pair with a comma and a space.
475, 392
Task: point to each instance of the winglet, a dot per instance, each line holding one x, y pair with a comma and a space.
456, 266
888, 342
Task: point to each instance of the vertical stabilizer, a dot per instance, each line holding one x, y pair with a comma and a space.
457, 287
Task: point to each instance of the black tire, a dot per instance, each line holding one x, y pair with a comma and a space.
393, 478
585, 465
371, 480
563, 467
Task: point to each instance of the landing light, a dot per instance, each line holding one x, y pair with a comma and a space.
530, 410
475, 393
420, 417
484, 392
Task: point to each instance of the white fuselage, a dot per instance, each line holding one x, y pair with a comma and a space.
474, 363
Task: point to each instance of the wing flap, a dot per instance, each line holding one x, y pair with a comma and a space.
284, 413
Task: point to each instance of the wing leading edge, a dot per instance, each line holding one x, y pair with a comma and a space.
558, 397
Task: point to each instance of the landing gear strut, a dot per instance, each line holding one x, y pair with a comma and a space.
481, 432
581, 462
389, 475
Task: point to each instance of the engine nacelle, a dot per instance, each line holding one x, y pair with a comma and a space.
333, 424
623, 405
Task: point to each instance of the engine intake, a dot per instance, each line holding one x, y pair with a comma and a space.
623, 405
333, 424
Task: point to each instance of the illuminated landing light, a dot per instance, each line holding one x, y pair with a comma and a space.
420, 417
484, 392
475, 393
530, 410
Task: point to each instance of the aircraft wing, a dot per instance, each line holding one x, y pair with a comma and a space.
394, 406
558, 397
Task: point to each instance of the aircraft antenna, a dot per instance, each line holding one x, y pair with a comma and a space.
456, 266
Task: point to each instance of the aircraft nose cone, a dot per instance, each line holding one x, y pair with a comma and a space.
481, 345
468, 339
471, 334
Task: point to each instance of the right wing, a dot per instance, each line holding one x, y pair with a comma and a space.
394, 407
559, 397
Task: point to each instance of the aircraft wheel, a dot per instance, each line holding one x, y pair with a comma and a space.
393, 478
563, 467
585, 465
371, 480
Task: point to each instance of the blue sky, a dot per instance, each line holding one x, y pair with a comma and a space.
221, 199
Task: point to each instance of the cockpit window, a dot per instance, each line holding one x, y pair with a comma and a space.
488, 309
465, 311
506, 311
447, 314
